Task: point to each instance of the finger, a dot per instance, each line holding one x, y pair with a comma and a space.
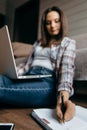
59, 113
70, 111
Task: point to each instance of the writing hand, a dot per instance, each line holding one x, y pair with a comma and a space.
69, 111
63, 107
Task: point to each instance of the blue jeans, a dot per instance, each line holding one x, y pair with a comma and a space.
29, 92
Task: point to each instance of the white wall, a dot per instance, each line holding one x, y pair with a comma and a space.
75, 10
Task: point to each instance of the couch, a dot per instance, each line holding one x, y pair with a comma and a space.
80, 79
46, 97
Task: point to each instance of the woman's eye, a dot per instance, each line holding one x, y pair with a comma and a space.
47, 22
57, 21
50, 22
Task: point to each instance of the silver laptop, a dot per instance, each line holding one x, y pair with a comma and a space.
7, 60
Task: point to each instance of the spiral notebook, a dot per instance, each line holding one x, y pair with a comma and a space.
48, 119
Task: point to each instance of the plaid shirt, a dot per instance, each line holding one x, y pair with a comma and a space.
64, 64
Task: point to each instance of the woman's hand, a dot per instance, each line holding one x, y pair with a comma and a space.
69, 108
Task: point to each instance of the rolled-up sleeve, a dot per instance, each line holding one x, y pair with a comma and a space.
66, 71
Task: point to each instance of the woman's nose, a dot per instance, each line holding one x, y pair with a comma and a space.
52, 24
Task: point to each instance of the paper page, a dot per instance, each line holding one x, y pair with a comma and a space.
81, 112
50, 118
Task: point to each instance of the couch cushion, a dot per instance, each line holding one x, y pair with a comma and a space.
81, 54
81, 41
81, 64
21, 49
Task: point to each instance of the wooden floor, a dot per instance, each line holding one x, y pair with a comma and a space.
22, 119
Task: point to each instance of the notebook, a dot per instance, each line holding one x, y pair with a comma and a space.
7, 61
6, 126
48, 119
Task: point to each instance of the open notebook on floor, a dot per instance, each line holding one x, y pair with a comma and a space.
7, 61
48, 119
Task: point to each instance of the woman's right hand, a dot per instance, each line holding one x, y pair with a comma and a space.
69, 111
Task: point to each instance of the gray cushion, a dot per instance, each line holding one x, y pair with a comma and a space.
81, 56
81, 41
81, 64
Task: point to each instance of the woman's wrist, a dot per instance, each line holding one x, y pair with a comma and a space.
65, 95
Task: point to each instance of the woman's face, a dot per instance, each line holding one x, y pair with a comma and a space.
53, 23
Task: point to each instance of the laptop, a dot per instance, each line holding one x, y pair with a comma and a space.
6, 126
7, 61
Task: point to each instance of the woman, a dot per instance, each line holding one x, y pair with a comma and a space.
55, 54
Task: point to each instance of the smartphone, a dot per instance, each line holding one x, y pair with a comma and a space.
6, 126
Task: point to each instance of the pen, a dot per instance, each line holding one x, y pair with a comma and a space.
62, 106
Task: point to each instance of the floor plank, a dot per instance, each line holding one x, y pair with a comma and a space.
20, 117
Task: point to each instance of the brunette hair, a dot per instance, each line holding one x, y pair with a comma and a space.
45, 37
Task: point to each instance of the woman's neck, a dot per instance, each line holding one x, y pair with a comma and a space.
54, 41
